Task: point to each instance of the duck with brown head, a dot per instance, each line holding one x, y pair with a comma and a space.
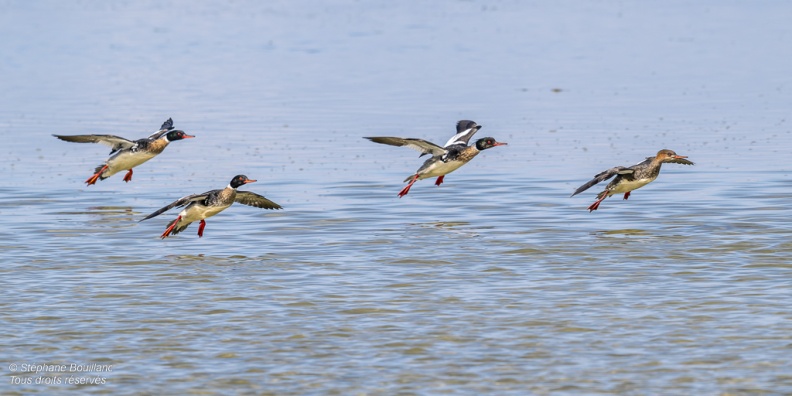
632, 177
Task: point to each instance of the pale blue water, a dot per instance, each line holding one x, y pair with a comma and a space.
494, 283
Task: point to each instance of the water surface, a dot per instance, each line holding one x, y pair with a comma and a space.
495, 282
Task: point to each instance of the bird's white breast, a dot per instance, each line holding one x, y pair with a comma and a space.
128, 160
200, 212
440, 168
630, 185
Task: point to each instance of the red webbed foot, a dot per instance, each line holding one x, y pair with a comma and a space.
170, 228
128, 176
595, 205
92, 180
201, 228
439, 180
406, 189
627, 195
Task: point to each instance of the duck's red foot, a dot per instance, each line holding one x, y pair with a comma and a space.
92, 180
201, 228
627, 195
406, 189
128, 176
439, 180
170, 228
595, 205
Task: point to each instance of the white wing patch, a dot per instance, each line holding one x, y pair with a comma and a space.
461, 137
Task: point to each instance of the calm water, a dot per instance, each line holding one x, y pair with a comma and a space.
496, 282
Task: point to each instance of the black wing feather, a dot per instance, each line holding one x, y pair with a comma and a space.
425, 147
167, 125
465, 130
179, 203
255, 200
680, 161
115, 142
464, 125
602, 176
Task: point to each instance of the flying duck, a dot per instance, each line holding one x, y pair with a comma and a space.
210, 203
632, 177
446, 159
127, 154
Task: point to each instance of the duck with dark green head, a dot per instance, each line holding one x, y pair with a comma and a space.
202, 206
127, 154
446, 159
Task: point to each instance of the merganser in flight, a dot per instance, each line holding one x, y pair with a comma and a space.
210, 203
446, 159
127, 154
632, 177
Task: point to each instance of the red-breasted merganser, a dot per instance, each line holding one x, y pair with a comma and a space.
632, 177
446, 159
127, 154
210, 203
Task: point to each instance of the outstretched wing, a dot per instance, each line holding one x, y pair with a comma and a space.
255, 200
179, 203
465, 130
168, 124
115, 142
602, 176
165, 128
680, 161
416, 144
